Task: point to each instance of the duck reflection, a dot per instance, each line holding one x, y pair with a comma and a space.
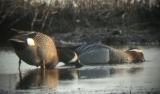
108, 72
69, 74
38, 78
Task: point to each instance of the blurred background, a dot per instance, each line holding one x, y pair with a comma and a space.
86, 21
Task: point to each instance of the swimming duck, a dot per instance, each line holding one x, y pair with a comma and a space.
92, 54
35, 48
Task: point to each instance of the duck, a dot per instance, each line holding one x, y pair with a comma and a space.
97, 54
35, 48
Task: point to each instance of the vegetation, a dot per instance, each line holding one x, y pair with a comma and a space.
135, 18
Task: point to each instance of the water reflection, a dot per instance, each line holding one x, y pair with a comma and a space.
38, 79
106, 72
135, 70
137, 77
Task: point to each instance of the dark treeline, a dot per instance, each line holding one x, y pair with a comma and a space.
63, 16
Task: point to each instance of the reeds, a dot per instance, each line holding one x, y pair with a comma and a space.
66, 15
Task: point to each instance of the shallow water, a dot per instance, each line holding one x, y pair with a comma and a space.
125, 78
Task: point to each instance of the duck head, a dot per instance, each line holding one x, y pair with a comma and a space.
22, 40
136, 54
68, 56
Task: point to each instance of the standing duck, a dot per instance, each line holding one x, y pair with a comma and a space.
35, 48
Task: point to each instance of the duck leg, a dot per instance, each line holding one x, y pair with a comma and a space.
43, 65
19, 64
43, 69
20, 74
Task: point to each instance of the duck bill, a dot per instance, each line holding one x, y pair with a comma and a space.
143, 60
16, 40
17, 44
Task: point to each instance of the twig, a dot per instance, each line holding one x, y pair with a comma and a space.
35, 18
47, 14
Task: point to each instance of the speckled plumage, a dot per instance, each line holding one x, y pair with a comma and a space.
43, 52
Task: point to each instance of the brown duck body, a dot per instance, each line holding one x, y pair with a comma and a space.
41, 51
46, 49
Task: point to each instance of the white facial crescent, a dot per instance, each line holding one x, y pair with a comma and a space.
74, 59
137, 50
30, 42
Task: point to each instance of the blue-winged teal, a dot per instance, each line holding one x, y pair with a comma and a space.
35, 49
103, 54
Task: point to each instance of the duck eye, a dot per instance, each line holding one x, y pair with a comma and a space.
30, 42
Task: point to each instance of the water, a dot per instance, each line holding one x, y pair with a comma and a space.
125, 78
